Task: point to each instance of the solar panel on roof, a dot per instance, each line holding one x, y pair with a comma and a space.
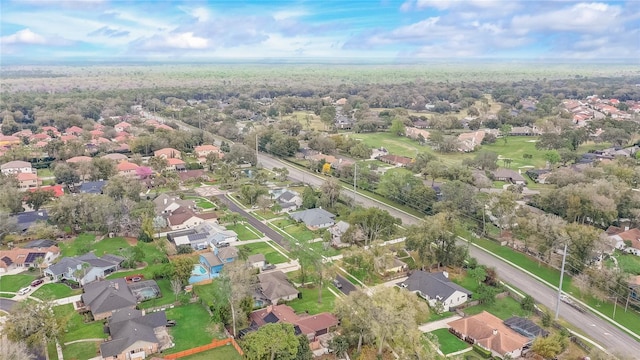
195, 237
271, 318
33, 256
7, 260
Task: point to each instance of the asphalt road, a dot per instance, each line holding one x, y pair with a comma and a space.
596, 328
347, 286
265, 229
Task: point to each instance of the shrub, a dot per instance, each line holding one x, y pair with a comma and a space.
484, 353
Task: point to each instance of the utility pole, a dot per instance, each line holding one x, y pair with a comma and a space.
256, 149
564, 258
355, 190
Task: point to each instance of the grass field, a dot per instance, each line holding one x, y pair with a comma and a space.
202, 202
76, 327
245, 231
309, 301
55, 291
502, 308
13, 283
302, 116
628, 263
270, 254
296, 230
221, 353
449, 343
192, 327
81, 351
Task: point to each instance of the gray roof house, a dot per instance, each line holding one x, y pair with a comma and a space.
436, 287
202, 236
85, 268
337, 231
104, 297
275, 286
92, 187
27, 218
314, 218
289, 201
135, 335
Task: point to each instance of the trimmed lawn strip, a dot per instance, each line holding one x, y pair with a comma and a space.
191, 330
13, 283
502, 308
52, 351
81, 350
7, 296
245, 231
222, 352
76, 327
270, 254
55, 291
449, 343
309, 301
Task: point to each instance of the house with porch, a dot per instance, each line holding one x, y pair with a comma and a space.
436, 288
84, 269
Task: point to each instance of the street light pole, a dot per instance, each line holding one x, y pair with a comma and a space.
355, 190
564, 258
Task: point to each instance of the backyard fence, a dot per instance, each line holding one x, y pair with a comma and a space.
214, 344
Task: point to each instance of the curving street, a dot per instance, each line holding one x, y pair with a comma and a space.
601, 331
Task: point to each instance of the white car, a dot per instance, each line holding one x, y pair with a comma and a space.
24, 291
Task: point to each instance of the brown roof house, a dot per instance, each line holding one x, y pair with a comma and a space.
168, 153
509, 176
275, 287
312, 326
24, 258
627, 240
488, 332
468, 142
395, 160
135, 335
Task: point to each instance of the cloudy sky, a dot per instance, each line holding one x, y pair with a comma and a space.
193, 30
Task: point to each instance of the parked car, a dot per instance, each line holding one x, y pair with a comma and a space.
24, 291
222, 244
269, 267
337, 284
37, 282
171, 323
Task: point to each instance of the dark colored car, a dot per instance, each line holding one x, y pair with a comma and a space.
222, 244
37, 282
269, 267
171, 323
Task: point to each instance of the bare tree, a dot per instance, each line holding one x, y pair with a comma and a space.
10, 350
176, 287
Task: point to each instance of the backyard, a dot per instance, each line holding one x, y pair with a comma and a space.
191, 328
271, 255
296, 230
86, 242
245, 231
449, 343
309, 301
201, 202
503, 308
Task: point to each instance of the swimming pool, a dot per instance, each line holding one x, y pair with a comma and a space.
199, 270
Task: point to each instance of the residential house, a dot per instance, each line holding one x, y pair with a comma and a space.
57, 190
524, 131
27, 218
289, 200
135, 335
203, 150
9, 141
50, 130
214, 261
122, 126
168, 153
183, 218
78, 159
414, 133
488, 332
509, 176
539, 175
627, 240
336, 232
468, 142
166, 203
28, 181
314, 219
17, 166
634, 288
74, 130
343, 123
436, 288
174, 164
95, 134
18, 258
116, 157
275, 287
312, 326
394, 266
127, 168
257, 261
525, 327
103, 298
84, 269
396, 160
66, 138
92, 187
202, 236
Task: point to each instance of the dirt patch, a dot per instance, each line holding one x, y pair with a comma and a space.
131, 241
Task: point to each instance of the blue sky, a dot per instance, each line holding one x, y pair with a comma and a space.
112, 30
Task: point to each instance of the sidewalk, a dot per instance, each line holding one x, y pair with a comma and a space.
440, 324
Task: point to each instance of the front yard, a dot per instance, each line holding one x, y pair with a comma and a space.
272, 256
309, 301
245, 231
13, 283
55, 291
449, 343
193, 327
296, 230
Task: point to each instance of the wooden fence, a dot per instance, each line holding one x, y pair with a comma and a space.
214, 344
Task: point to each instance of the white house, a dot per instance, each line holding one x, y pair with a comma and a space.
436, 288
16, 167
84, 269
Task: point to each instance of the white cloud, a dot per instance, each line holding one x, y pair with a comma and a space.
24, 36
581, 17
201, 14
186, 41
289, 14
417, 30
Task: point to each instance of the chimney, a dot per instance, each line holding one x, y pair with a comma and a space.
269, 308
165, 201
115, 286
626, 228
495, 332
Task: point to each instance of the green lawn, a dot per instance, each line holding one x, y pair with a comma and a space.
51, 351
297, 231
81, 351
502, 308
465, 281
272, 256
168, 297
192, 326
245, 231
628, 263
13, 283
202, 202
309, 301
221, 353
267, 215
7, 296
320, 249
449, 343
76, 327
55, 291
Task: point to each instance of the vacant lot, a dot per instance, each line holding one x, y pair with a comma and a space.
272, 256
296, 230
